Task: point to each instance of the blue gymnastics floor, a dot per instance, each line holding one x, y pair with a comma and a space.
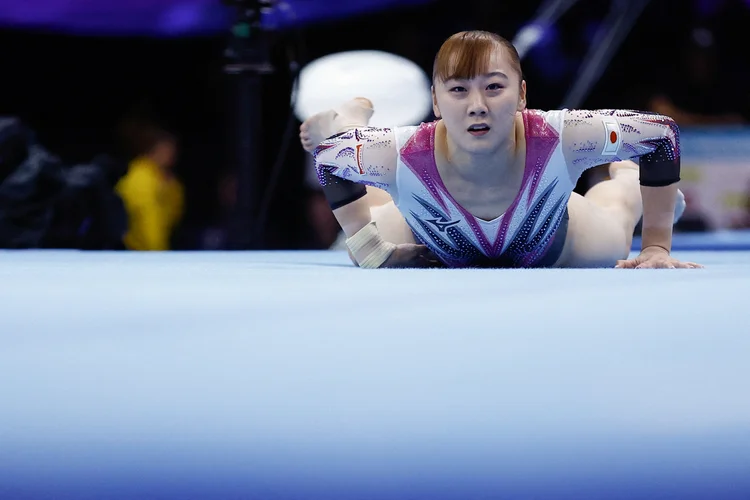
293, 375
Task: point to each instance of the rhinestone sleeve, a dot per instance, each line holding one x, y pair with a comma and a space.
362, 155
596, 137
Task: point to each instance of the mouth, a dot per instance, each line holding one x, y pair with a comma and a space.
479, 129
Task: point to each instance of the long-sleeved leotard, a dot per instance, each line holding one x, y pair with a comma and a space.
560, 146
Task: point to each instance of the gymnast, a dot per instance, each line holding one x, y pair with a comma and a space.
490, 183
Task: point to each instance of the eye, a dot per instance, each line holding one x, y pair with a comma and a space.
457, 89
494, 86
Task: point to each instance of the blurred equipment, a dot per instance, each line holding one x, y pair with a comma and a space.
248, 60
613, 31
547, 15
172, 18
46, 204
398, 87
621, 18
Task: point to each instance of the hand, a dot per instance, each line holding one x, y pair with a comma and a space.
411, 255
655, 258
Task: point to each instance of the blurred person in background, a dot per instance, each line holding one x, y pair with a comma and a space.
153, 196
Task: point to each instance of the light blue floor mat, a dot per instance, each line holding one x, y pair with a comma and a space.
293, 375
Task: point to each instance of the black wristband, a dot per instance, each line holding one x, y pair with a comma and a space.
661, 167
340, 192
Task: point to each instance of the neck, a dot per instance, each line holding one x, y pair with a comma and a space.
155, 161
483, 167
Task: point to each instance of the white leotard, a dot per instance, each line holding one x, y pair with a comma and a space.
560, 145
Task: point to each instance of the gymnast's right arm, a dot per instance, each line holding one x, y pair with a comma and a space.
346, 163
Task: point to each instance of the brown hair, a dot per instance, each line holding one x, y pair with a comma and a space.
144, 139
466, 55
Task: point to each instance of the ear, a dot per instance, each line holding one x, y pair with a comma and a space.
435, 107
522, 96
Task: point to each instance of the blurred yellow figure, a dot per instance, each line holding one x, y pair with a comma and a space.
153, 197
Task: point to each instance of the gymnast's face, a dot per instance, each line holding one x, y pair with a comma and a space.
479, 112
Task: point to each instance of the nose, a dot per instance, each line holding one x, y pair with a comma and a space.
477, 104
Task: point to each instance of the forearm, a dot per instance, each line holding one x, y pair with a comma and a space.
351, 204
658, 216
348, 162
596, 137
366, 246
353, 216
659, 174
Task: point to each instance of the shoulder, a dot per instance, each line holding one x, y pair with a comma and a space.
141, 168
140, 175
543, 123
416, 138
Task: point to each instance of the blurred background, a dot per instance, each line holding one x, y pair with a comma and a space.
131, 125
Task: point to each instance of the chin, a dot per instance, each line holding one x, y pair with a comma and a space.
481, 146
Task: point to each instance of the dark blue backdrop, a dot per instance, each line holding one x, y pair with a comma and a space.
169, 17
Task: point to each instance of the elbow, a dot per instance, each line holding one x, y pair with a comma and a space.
672, 138
671, 132
666, 144
675, 133
661, 166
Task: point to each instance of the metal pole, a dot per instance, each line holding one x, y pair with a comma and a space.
528, 37
248, 61
610, 36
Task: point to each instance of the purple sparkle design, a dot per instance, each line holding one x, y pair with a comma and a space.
321, 167
587, 147
330, 162
541, 140
346, 153
644, 135
418, 154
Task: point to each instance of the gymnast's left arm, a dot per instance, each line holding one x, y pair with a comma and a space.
346, 163
596, 137
366, 156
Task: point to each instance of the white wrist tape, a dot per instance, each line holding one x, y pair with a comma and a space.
369, 249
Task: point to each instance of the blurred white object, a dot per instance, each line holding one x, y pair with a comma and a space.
398, 88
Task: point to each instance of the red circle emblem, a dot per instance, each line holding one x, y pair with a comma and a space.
613, 137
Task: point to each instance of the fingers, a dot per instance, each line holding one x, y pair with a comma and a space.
670, 264
693, 265
680, 265
428, 258
626, 264
656, 264
419, 256
409, 255
422, 262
